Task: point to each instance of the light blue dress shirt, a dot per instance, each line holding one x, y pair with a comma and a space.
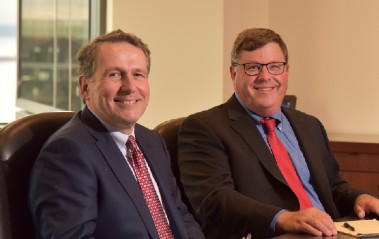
286, 134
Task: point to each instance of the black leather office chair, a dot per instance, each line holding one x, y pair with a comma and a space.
290, 101
169, 132
20, 143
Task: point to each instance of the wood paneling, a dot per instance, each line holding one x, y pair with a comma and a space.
359, 164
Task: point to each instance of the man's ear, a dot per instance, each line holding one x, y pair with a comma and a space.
233, 73
83, 87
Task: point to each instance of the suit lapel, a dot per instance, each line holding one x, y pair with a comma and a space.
116, 162
160, 173
310, 142
309, 146
241, 122
308, 136
146, 146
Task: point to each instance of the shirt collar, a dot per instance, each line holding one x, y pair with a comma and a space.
119, 137
278, 116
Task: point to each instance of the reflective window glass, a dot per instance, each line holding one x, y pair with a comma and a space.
51, 32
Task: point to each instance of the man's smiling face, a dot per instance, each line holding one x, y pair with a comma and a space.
118, 92
263, 93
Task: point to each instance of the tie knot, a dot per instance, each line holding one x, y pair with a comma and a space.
269, 123
131, 143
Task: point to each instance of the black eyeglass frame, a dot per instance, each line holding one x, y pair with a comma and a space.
262, 65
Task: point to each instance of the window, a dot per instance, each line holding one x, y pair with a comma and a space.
50, 34
8, 60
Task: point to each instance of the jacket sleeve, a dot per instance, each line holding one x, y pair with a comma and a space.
63, 192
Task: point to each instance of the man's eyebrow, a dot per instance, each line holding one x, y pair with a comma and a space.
139, 69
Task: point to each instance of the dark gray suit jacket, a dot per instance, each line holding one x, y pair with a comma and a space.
233, 181
82, 187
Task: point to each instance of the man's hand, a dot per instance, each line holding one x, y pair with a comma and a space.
366, 204
311, 221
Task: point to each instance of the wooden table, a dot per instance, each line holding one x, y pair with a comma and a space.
358, 157
303, 236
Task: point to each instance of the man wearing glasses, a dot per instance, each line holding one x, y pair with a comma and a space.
251, 168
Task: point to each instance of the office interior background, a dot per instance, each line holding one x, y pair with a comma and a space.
333, 54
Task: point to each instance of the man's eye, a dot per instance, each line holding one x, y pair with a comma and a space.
274, 66
114, 74
139, 75
253, 67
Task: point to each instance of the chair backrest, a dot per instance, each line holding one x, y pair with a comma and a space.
169, 132
290, 101
20, 143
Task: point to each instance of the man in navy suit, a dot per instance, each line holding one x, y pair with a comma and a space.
83, 184
228, 171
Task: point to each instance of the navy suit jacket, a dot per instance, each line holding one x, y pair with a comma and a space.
232, 180
82, 187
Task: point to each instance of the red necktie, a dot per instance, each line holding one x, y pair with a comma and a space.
285, 163
143, 177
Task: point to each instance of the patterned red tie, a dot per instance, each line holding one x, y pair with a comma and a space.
285, 163
143, 177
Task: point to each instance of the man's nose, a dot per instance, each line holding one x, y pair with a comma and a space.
264, 72
128, 82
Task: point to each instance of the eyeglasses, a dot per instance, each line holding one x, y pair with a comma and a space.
253, 69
